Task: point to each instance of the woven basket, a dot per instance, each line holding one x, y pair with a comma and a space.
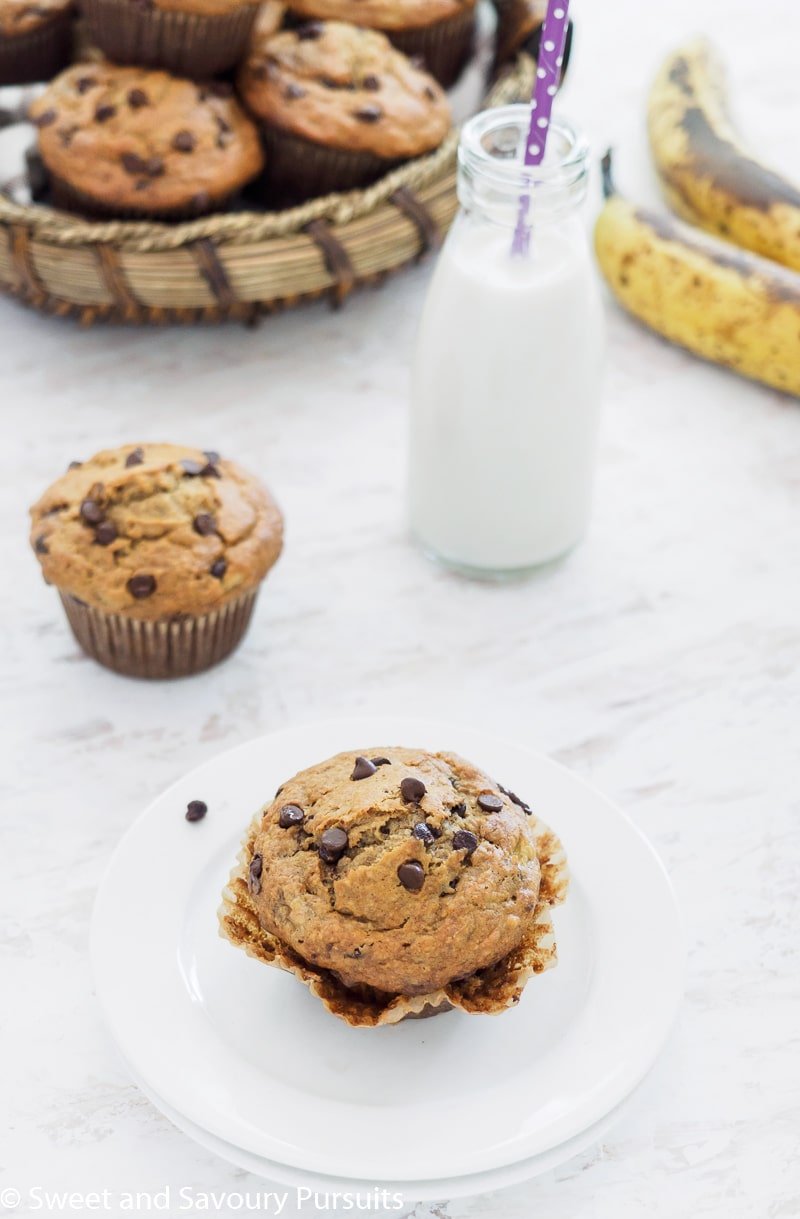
239, 265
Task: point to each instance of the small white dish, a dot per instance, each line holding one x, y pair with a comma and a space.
245, 1053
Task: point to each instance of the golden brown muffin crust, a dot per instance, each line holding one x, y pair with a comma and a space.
346, 88
383, 14
134, 138
155, 530
22, 16
439, 877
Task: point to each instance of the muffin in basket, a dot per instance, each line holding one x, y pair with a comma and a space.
158, 552
35, 39
197, 38
440, 32
130, 142
338, 107
398, 883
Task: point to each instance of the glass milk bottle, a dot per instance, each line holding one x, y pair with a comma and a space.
507, 375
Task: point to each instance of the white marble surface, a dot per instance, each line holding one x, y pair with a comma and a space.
662, 662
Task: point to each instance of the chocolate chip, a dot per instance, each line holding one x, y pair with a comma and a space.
412, 790
515, 799
210, 470
141, 586
84, 83
91, 512
211, 456
135, 457
463, 840
105, 112
424, 833
67, 134
294, 91
137, 98
290, 815
105, 533
45, 118
218, 568
459, 809
411, 876
184, 141
196, 810
204, 524
381, 762
155, 167
40, 545
309, 31
254, 875
191, 467
369, 113
332, 844
490, 803
133, 164
371, 82
363, 768
75, 465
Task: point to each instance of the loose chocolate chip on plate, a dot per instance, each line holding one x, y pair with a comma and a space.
372, 83
105, 533
412, 790
254, 875
290, 815
91, 512
490, 803
196, 810
381, 762
463, 840
40, 545
332, 844
369, 113
363, 768
424, 833
191, 467
84, 83
135, 457
184, 141
45, 118
204, 524
411, 876
105, 112
218, 568
142, 586
137, 98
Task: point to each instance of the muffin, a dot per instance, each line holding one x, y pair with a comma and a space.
398, 883
338, 107
196, 38
35, 39
519, 28
129, 142
157, 552
441, 32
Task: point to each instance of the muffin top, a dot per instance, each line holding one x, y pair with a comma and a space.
383, 14
155, 530
21, 16
347, 88
144, 139
396, 869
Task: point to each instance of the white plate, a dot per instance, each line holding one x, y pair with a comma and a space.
246, 1053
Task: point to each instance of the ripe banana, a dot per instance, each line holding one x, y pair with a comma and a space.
722, 303
707, 176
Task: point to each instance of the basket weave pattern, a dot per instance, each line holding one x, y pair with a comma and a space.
238, 265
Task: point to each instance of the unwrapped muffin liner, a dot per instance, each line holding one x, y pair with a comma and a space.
488, 991
39, 53
444, 46
298, 169
173, 647
66, 197
187, 44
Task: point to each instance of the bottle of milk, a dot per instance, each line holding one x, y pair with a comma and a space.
507, 375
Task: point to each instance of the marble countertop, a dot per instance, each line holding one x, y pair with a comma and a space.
661, 662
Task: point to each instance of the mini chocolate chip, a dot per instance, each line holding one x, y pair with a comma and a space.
137, 98
84, 83
191, 467
254, 875
424, 833
134, 458
204, 524
290, 815
490, 803
411, 876
45, 118
371, 82
309, 31
463, 840
184, 141
105, 112
75, 465
369, 113
218, 568
459, 809
363, 768
105, 533
381, 762
132, 163
40, 545
293, 91
332, 844
142, 586
412, 790
196, 810
91, 512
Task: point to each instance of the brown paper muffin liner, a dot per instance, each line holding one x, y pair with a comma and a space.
175, 647
66, 197
489, 991
298, 169
187, 44
444, 46
38, 54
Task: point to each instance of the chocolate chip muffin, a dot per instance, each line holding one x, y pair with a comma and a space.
196, 38
158, 552
338, 107
129, 142
396, 883
35, 39
441, 32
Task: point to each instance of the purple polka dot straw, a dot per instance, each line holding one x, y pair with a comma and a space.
548, 71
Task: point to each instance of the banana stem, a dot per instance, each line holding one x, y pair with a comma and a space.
606, 166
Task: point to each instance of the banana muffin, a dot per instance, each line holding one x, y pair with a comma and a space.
397, 883
130, 142
158, 552
441, 32
196, 38
35, 39
338, 107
